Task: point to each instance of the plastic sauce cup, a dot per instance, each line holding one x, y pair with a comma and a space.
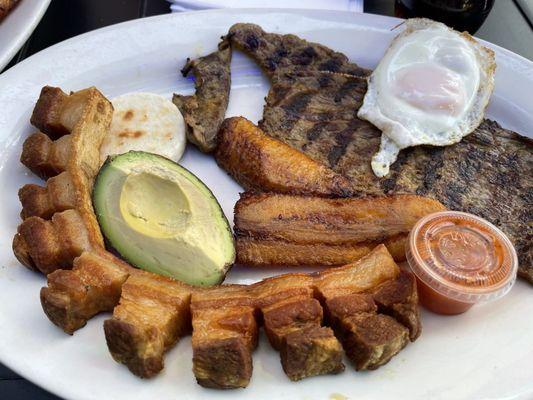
459, 260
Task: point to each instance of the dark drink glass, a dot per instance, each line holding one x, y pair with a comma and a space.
462, 15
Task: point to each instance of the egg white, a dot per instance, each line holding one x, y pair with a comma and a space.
431, 87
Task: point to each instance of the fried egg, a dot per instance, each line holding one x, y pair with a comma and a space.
431, 88
146, 122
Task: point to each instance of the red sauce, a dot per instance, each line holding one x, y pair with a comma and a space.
459, 259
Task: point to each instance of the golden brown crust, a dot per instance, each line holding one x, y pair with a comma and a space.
399, 299
277, 229
72, 161
50, 245
311, 351
44, 157
152, 314
290, 315
259, 253
371, 340
58, 195
303, 219
258, 162
225, 319
92, 286
223, 340
56, 113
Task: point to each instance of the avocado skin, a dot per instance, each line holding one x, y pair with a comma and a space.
120, 247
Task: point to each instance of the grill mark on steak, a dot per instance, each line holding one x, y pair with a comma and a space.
275, 53
204, 111
488, 173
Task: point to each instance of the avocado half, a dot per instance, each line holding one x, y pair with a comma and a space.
161, 218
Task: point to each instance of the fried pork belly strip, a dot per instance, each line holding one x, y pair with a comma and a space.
93, 285
276, 229
258, 162
80, 122
264, 252
45, 246
205, 110
154, 312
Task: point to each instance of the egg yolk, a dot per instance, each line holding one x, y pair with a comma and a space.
430, 87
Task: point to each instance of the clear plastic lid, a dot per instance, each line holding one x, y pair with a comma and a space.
462, 256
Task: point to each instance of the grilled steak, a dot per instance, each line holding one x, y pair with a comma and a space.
312, 106
204, 111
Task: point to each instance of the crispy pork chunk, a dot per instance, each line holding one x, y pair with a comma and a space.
371, 340
46, 157
154, 312
78, 123
298, 230
46, 246
258, 162
399, 299
93, 285
293, 326
152, 315
289, 315
223, 340
205, 110
311, 351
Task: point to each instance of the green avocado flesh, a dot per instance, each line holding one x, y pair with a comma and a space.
161, 218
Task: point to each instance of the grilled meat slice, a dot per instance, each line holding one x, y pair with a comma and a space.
399, 299
488, 173
80, 120
204, 111
278, 53
93, 285
298, 230
258, 162
152, 315
371, 340
311, 351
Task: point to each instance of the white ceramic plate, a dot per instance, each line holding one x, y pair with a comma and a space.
17, 27
486, 353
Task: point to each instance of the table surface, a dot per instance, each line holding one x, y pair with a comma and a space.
508, 25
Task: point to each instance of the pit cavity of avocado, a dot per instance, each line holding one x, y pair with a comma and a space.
154, 206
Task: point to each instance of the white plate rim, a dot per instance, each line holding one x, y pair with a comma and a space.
12, 362
34, 15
